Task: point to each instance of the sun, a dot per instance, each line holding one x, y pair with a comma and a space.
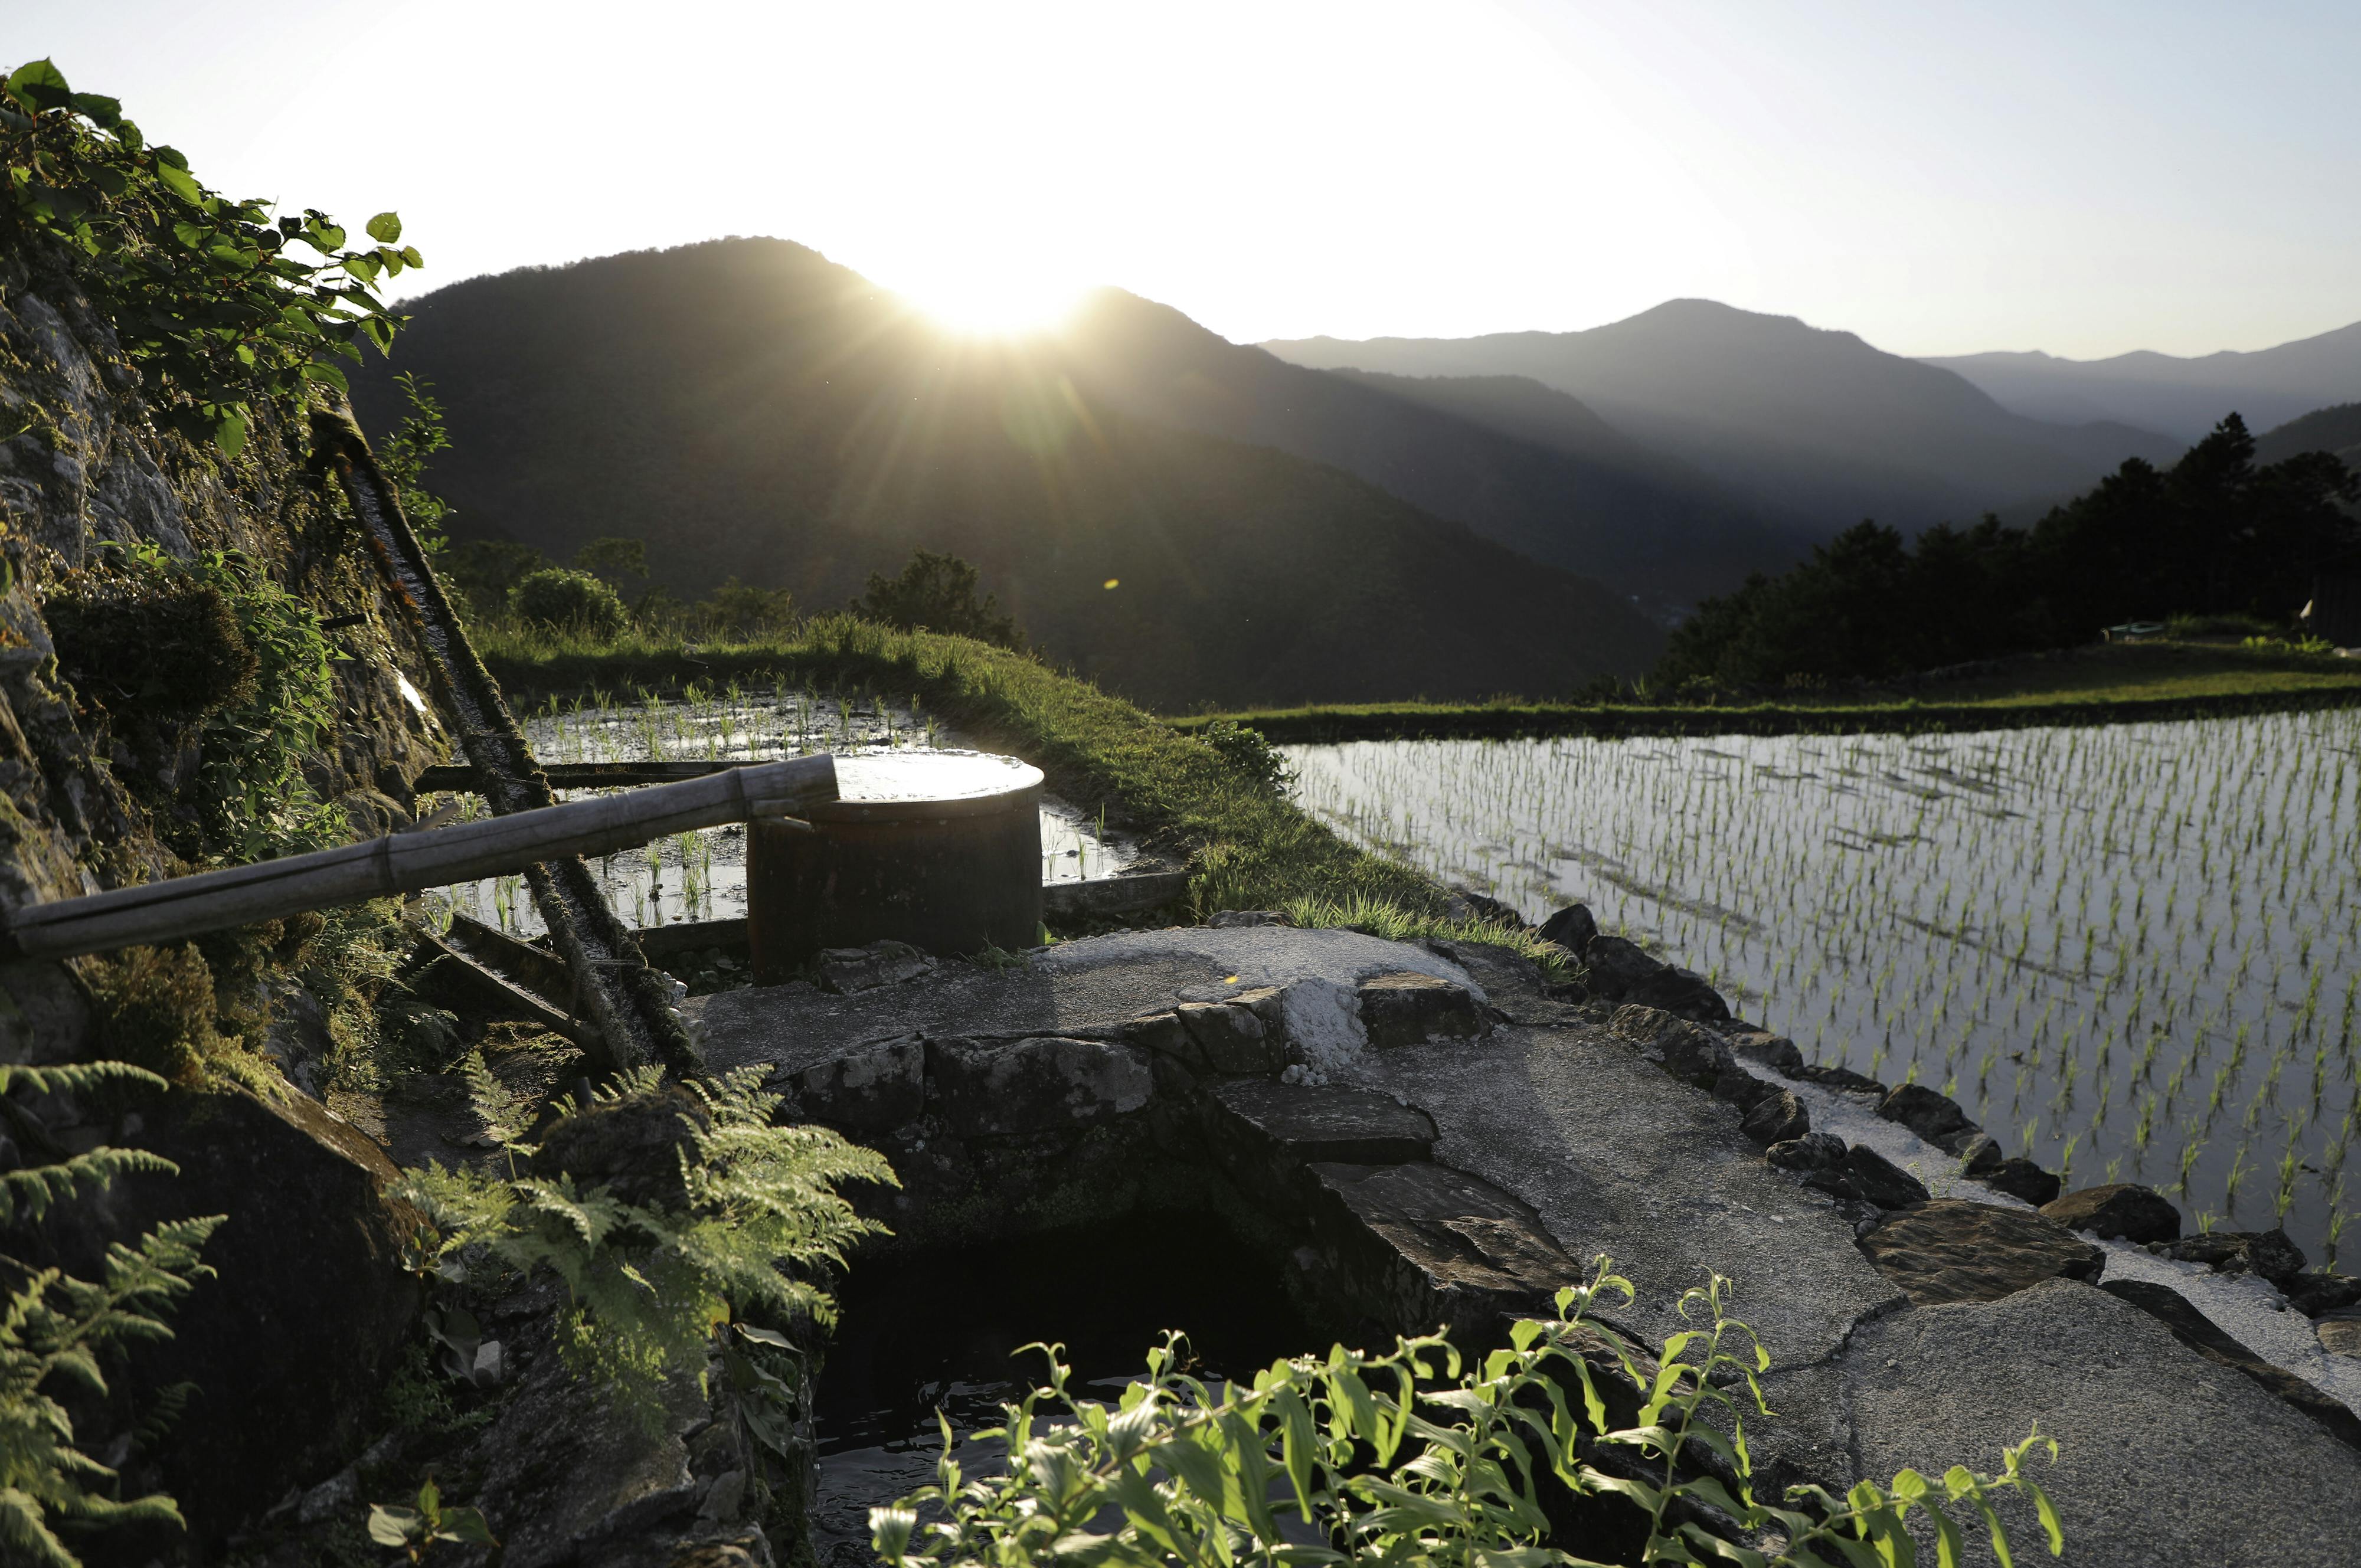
991, 297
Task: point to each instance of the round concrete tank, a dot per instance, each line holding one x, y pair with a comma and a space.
940, 849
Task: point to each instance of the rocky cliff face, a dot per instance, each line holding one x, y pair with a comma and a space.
310, 1299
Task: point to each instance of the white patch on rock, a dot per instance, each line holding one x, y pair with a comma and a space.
1323, 1024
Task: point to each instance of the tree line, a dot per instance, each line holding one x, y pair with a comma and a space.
2213, 534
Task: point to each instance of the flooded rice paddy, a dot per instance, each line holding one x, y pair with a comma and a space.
702, 876
2128, 951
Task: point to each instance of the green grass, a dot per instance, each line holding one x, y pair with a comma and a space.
2105, 684
1246, 846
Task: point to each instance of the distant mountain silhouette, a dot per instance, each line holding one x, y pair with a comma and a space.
747, 407
2181, 397
1816, 426
1518, 463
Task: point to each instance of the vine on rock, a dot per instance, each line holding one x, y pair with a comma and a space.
206, 295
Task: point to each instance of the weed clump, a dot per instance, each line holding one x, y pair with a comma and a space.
155, 1009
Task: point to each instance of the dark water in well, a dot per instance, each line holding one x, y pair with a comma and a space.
941, 1331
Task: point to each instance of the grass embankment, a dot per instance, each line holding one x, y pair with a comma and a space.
1246, 846
2106, 684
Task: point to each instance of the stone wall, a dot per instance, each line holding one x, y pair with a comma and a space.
286, 1343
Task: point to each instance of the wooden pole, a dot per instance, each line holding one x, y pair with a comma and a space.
410, 862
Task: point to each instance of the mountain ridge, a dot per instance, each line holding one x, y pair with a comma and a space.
2182, 394
750, 407
1813, 423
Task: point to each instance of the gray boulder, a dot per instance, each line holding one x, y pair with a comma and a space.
1932, 1117
1865, 1176
2317, 1294
2269, 1254
1778, 1118
2020, 1178
1812, 1151
1409, 1009
1232, 1038
2118, 1209
1774, 1051
1570, 928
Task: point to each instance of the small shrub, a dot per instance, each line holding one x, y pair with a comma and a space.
937, 593
1250, 756
1410, 1458
565, 600
737, 612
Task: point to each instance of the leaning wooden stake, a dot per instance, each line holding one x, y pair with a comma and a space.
411, 863
629, 1002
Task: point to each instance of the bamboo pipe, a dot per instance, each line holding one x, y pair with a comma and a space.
410, 862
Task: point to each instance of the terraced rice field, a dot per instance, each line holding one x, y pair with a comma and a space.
2132, 952
702, 876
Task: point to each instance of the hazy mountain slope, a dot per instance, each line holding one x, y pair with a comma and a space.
1809, 422
2183, 397
747, 407
2336, 430
1540, 472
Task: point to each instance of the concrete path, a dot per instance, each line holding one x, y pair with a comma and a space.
1322, 1084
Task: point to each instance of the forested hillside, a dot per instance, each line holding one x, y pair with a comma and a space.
1518, 463
2219, 533
747, 408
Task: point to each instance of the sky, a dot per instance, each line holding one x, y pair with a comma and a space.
2077, 176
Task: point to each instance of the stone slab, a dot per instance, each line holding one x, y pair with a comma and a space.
1618, 1156
1073, 986
2164, 1457
1947, 1250
1305, 1124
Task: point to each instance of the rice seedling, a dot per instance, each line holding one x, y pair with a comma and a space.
2039, 918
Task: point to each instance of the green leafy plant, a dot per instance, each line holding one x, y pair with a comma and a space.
653, 1271
54, 1329
404, 455
205, 294
215, 644
937, 592
574, 601
410, 1530
1413, 1457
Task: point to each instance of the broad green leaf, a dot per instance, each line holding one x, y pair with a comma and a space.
393, 1526
466, 1526
39, 85
385, 228
229, 432
178, 181
100, 110
2049, 1522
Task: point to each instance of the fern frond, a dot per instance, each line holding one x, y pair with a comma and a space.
74, 1077
29, 1192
